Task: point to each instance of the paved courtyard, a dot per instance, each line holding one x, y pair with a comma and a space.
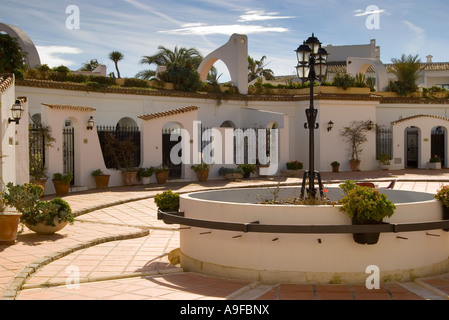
118, 250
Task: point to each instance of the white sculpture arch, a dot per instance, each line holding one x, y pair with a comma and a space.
235, 55
361, 65
32, 58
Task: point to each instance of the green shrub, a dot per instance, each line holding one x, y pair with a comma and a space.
167, 200
136, 83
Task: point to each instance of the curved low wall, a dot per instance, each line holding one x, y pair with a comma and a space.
307, 258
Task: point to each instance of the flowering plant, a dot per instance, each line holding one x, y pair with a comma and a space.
435, 158
443, 195
294, 165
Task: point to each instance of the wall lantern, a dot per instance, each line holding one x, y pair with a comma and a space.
90, 123
371, 125
16, 112
330, 125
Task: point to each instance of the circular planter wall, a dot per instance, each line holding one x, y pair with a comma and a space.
307, 257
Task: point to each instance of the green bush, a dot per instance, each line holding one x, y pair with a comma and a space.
224, 171
136, 83
344, 81
167, 200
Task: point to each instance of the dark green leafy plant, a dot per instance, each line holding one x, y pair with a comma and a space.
145, 172
344, 81
63, 177
224, 171
200, 167
167, 200
248, 168
25, 198
407, 70
366, 203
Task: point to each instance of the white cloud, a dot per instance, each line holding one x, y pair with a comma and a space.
370, 10
418, 38
255, 15
51, 55
202, 29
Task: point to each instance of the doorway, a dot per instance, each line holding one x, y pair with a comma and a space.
412, 146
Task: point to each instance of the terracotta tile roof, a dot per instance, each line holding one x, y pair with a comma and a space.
5, 82
419, 116
168, 113
68, 107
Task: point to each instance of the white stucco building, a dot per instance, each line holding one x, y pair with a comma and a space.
413, 123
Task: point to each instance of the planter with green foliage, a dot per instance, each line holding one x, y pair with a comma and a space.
365, 205
247, 169
42, 217
144, 174
101, 179
434, 163
231, 173
61, 183
335, 166
161, 174
294, 169
201, 170
384, 161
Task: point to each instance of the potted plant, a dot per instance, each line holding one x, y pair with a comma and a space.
167, 201
62, 183
101, 179
443, 196
384, 161
293, 169
335, 166
231, 173
37, 170
365, 205
144, 174
42, 217
161, 174
434, 163
202, 171
355, 134
9, 221
247, 169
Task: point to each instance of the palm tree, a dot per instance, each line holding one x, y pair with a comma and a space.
146, 74
116, 56
181, 57
407, 70
90, 66
256, 69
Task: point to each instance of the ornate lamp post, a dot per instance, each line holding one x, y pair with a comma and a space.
312, 65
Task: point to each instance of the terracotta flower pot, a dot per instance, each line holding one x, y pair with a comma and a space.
129, 177
9, 223
355, 165
102, 181
202, 175
162, 177
39, 182
61, 187
42, 228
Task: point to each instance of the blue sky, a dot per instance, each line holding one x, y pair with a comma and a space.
274, 28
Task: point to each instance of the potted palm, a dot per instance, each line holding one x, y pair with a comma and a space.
202, 171
247, 169
101, 179
42, 217
161, 174
365, 205
144, 174
62, 183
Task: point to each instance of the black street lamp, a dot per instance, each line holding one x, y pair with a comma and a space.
312, 65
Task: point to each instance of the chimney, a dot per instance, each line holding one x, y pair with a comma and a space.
429, 58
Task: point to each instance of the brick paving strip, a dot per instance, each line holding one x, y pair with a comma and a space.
77, 237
